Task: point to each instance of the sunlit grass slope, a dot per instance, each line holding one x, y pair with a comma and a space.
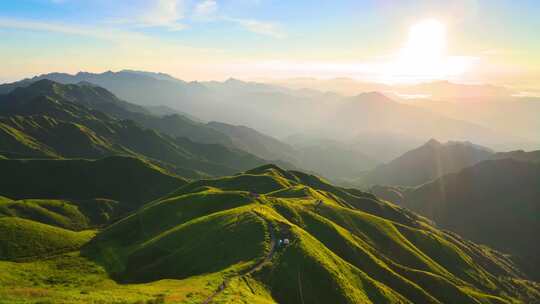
69, 278
21, 238
72, 214
346, 246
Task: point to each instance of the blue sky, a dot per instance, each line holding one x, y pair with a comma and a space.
496, 41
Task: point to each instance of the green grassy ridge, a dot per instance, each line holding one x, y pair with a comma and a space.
309, 272
259, 184
359, 253
357, 199
63, 138
98, 98
21, 238
73, 215
349, 248
96, 137
162, 215
340, 251
270, 178
16, 142
400, 244
231, 239
497, 262
125, 179
4, 199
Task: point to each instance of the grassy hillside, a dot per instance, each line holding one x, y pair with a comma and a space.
69, 278
72, 215
125, 179
346, 246
21, 238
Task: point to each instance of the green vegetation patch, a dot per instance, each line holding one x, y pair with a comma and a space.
72, 215
21, 238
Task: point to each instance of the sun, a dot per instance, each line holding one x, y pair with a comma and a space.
426, 42
423, 56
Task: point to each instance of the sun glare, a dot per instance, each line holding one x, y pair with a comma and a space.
424, 55
426, 42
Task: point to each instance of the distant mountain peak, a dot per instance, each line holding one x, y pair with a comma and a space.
88, 84
42, 83
433, 143
374, 96
155, 75
232, 80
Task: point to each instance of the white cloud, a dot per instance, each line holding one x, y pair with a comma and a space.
102, 33
164, 13
259, 27
205, 10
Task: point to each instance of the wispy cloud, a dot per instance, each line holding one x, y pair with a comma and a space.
259, 27
167, 14
205, 10
113, 35
171, 15
208, 11
164, 13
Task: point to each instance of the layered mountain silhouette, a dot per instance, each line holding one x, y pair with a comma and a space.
427, 162
516, 115
335, 160
256, 105
438, 90
47, 119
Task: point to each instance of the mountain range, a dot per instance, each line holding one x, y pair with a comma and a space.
427, 162
256, 105
515, 114
47, 119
